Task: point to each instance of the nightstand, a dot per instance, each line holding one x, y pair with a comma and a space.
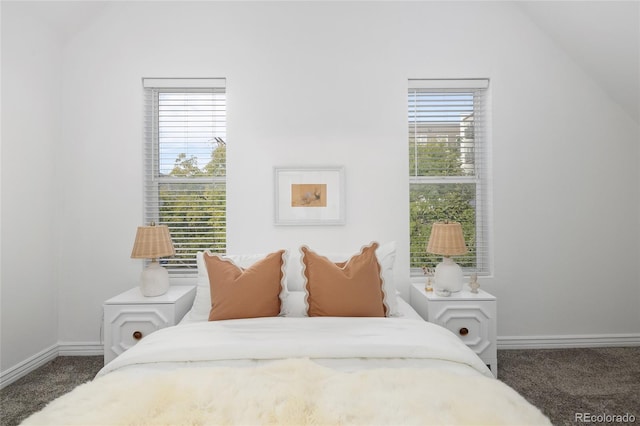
470, 316
130, 316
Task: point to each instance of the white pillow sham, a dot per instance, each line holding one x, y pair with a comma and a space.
295, 304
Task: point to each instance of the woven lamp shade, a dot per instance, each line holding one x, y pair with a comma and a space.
152, 242
446, 239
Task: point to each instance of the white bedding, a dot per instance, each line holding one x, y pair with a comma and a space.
254, 339
274, 371
340, 343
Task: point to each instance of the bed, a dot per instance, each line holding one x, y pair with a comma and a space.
365, 359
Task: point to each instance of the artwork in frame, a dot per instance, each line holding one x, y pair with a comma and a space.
309, 195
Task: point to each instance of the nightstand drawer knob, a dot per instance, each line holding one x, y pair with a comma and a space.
463, 331
137, 335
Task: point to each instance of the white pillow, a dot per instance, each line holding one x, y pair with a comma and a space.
386, 255
202, 302
295, 304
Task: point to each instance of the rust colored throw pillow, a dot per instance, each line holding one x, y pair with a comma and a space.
244, 293
347, 289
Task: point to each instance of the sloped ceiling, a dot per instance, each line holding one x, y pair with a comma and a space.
602, 37
66, 18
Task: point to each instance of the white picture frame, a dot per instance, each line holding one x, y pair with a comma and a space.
309, 196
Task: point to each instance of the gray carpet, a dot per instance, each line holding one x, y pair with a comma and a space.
561, 382
32, 392
566, 382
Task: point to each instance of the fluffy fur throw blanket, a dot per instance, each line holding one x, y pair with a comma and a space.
290, 392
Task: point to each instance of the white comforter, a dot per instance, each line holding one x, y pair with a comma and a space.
187, 375
341, 343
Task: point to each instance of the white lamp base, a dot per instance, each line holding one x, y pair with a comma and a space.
154, 281
448, 277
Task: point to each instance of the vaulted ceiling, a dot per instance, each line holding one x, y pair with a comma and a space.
602, 37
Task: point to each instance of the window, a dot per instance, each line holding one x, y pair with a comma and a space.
185, 165
448, 170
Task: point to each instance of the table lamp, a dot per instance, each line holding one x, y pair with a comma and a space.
447, 240
153, 242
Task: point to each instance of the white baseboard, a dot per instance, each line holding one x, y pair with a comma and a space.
49, 354
28, 365
568, 341
80, 349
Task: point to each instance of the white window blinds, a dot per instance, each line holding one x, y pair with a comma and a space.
448, 168
185, 165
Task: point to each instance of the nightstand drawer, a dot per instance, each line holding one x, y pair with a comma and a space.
128, 326
471, 322
129, 317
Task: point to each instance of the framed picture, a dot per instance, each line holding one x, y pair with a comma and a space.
309, 195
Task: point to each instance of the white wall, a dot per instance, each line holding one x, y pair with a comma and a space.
325, 83
31, 76
564, 167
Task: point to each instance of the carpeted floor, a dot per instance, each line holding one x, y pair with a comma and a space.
568, 383
563, 383
33, 391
